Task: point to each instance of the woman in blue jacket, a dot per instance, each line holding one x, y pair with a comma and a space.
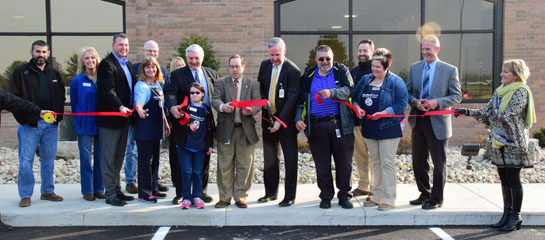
83, 99
379, 93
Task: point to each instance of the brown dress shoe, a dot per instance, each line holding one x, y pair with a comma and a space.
162, 187
89, 197
242, 204
358, 192
25, 202
51, 197
131, 188
100, 195
222, 204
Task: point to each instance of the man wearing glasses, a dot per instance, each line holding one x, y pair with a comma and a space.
328, 124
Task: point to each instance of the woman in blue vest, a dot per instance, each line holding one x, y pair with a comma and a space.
197, 134
381, 92
83, 99
150, 126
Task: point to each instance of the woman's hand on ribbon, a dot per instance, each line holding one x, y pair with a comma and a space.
142, 113
378, 115
361, 112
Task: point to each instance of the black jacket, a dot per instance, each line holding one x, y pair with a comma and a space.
24, 83
113, 91
15, 104
361, 70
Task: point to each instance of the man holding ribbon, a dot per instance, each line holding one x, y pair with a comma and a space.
115, 84
432, 85
279, 79
38, 82
235, 133
178, 89
328, 124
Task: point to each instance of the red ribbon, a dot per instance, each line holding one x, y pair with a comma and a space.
256, 103
431, 113
185, 117
320, 101
119, 114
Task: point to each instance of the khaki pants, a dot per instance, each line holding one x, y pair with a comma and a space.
383, 157
235, 167
361, 157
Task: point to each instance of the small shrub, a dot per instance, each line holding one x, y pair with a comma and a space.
540, 136
405, 146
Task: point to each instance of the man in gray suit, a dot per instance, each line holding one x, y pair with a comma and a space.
235, 133
432, 85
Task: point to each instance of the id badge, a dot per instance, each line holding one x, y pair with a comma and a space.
281, 93
228, 142
338, 132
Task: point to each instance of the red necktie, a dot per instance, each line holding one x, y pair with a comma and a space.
235, 86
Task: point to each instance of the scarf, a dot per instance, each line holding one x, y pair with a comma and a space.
506, 93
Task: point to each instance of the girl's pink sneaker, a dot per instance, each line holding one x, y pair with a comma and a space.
186, 204
198, 203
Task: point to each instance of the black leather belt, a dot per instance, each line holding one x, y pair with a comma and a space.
237, 125
326, 118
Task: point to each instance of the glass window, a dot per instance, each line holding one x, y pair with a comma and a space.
461, 14
300, 48
405, 50
369, 15
65, 47
22, 16
86, 16
314, 15
18, 52
472, 54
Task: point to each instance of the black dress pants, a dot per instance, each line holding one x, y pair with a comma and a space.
148, 163
425, 143
323, 144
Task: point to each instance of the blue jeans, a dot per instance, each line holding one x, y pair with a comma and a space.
91, 177
131, 159
191, 168
45, 138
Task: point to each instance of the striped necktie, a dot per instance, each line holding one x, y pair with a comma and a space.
426, 83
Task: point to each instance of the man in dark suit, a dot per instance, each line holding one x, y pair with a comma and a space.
235, 133
115, 82
151, 49
432, 85
279, 79
176, 91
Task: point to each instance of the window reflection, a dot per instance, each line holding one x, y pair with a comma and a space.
314, 15
369, 15
405, 50
90, 16
300, 48
65, 47
22, 16
461, 14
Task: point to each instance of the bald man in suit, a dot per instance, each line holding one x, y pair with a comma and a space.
432, 85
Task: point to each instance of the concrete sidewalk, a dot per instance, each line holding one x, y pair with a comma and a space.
465, 204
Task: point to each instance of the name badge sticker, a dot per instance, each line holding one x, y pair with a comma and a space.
86, 84
192, 109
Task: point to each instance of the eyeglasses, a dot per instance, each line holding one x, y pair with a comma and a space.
194, 93
324, 58
235, 66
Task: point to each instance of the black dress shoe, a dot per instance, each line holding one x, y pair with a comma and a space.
325, 204
177, 200
431, 205
419, 201
206, 198
131, 188
266, 198
286, 203
116, 202
4, 227
345, 203
124, 197
162, 187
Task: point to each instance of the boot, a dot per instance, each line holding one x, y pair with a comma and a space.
515, 220
507, 207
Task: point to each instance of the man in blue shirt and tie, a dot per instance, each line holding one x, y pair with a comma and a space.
432, 85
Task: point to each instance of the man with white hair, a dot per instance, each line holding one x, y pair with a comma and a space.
178, 88
151, 49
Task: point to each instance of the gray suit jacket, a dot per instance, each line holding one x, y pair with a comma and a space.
445, 88
224, 93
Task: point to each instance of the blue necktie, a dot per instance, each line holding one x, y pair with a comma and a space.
426, 83
197, 77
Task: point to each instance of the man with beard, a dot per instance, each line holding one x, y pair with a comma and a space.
432, 85
328, 125
366, 48
38, 82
